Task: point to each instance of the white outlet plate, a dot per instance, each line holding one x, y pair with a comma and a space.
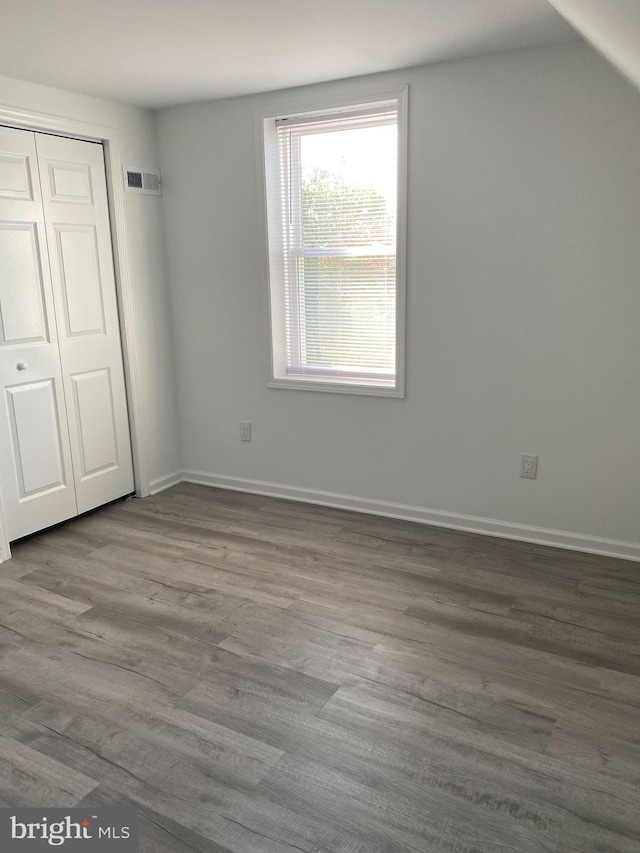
528, 466
245, 431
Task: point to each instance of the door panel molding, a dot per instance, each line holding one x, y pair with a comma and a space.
16, 180
70, 182
45, 122
20, 305
74, 280
40, 468
95, 417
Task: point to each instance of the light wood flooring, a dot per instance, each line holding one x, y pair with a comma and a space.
259, 676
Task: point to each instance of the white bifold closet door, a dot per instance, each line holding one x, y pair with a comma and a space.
64, 432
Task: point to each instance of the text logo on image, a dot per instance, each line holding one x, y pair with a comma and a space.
105, 830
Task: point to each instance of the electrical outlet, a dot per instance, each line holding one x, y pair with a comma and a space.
528, 466
245, 431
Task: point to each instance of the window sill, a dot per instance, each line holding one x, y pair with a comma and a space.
336, 387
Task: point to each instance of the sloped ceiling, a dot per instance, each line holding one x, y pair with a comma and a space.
611, 26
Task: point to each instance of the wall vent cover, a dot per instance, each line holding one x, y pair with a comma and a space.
142, 181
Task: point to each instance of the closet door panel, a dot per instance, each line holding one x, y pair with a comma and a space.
96, 413
70, 182
37, 452
15, 171
22, 299
36, 476
79, 236
79, 266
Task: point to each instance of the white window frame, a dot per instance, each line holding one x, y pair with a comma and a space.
269, 172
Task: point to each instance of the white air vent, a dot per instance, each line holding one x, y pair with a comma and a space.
142, 181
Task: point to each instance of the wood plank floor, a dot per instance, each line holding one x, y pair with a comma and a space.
259, 676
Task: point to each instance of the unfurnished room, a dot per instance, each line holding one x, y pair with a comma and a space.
320, 426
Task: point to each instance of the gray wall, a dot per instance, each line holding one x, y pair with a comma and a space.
523, 330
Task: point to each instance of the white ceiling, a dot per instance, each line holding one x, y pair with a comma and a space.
161, 52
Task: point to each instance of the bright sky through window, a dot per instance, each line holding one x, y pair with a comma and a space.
368, 162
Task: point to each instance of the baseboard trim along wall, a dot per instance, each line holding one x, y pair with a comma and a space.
162, 483
438, 518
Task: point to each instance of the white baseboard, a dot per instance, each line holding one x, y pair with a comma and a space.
456, 521
162, 483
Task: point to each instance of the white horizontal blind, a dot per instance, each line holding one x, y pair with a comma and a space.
338, 180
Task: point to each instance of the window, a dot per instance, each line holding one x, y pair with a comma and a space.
335, 236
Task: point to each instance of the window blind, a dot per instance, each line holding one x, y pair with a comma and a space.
339, 198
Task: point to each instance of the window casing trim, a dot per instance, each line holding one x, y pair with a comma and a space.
273, 260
